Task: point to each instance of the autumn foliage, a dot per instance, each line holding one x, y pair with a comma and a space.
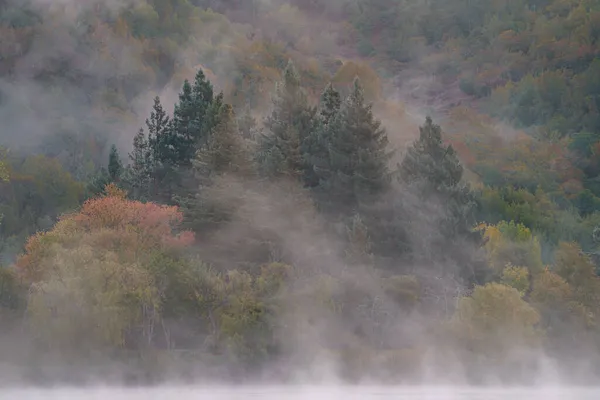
111, 222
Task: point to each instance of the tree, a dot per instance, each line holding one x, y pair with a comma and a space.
247, 124
578, 271
115, 166
432, 171
106, 176
316, 148
510, 244
357, 151
140, 171
331, 101
224, 149
98, 279
161, 140
191, 122
290, 122
430, 163
3, 172
224, 153
494, 322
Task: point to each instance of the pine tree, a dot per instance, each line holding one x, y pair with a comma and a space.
190, 124
290, 122
316, 148
330, 104
429, 162
224, 150
140, 172
434, 173
358, 153
161, 139
106, 176
434, 169
115, 166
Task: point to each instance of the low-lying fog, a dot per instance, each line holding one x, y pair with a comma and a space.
312, 393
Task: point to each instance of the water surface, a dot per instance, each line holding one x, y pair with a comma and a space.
303, 393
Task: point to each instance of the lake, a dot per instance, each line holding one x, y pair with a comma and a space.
303, 393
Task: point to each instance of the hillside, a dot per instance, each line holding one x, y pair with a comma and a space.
376, 189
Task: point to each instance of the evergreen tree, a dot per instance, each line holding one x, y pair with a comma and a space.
106, 176
330, 104
115, 166
290, 122
358, 153
190, 125
434, 172
316, 147
224, 150
430, 162
161, 140
140, 172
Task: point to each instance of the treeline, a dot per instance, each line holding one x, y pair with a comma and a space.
220, 249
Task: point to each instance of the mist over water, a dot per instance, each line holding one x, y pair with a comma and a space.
305, 393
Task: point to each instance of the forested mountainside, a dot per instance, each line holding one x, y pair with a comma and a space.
382, 190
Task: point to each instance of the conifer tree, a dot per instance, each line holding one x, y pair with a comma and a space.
161, 141
290, 122
330, 104
140, 171
224, 150
358, 153
434, 172
190, 125
316, 147
115, 166
105, 176
430, 162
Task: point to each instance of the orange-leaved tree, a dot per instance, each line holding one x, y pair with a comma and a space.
97, 278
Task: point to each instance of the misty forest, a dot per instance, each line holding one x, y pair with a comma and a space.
365, 190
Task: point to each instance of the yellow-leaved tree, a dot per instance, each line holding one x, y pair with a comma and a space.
512, 244
494, 329
97, 279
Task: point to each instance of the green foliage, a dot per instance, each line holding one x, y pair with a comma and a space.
496, 319
357, 154
316, 146
193, 119
280, 149
3, 172
434, 172
224, 150
140, 170
11, 290
516, 277
508, 244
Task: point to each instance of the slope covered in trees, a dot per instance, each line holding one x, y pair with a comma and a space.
235, 191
